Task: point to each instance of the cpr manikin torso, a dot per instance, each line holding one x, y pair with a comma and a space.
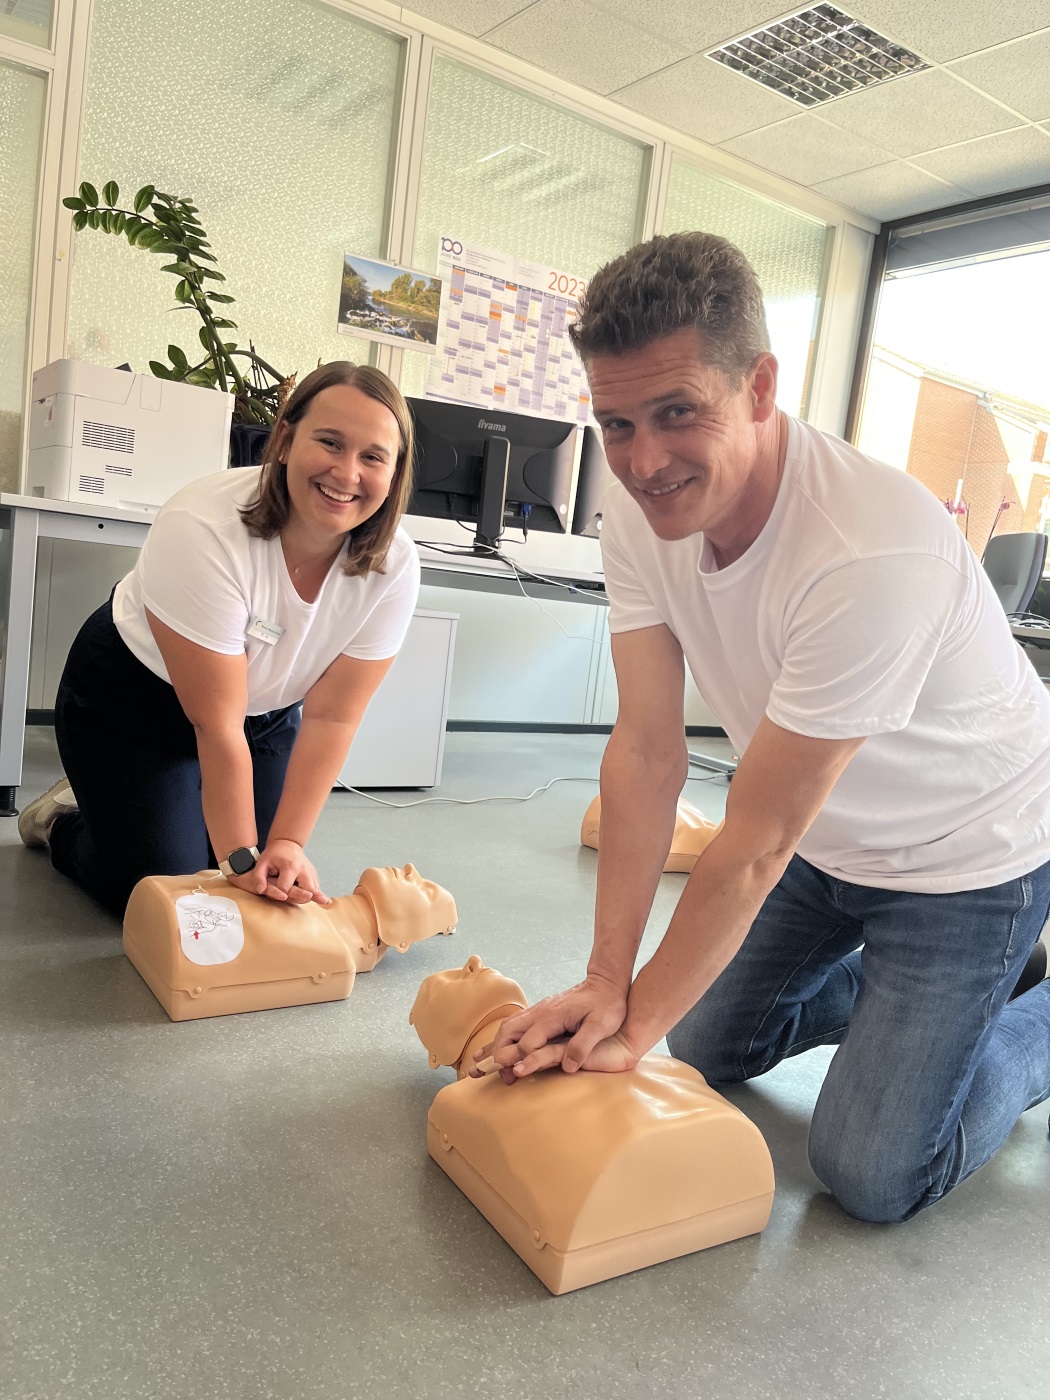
586, 1176
207, 948
692, 832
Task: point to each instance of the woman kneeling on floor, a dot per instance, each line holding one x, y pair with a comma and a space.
257, 591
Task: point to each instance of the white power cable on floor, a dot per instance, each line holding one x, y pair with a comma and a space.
501, 797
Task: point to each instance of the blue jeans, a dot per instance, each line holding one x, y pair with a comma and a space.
933, 1067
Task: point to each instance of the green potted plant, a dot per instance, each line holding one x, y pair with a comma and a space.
169, 225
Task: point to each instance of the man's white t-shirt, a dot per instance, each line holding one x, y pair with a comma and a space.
861, 610
208, 579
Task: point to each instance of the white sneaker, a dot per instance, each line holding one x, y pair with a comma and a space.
34, 821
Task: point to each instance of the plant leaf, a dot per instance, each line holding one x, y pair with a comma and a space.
80, 219
202, 377
212, 272
223, 297
119, 221
72, 202
205, 338
183, 292
142, 199
177, 356
110, 192
222, 322
159, 371
89, 194
95, 218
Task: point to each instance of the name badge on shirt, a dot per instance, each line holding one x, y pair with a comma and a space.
267, 632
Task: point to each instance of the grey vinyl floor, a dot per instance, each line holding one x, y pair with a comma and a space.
243, 1207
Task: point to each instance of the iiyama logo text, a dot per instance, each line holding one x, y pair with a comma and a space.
492, 427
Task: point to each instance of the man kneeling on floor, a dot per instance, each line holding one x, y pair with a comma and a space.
884, 869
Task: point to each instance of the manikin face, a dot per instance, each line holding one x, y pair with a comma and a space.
340, 460
450, 1006
679, 437
408, 908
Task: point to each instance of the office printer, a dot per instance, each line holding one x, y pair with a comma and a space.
130, 440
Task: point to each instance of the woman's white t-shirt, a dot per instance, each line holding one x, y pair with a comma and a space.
861, 610
203, 575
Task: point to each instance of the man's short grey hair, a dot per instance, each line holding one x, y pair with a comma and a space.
676, 281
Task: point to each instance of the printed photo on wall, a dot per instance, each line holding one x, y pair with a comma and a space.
391, 304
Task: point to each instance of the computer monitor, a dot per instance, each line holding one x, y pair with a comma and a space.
490, 468
591, 485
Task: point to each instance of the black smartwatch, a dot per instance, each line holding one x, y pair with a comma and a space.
240, 861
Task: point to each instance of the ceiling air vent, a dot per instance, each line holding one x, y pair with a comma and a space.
817, 55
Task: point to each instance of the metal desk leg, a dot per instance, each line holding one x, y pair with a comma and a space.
17, 583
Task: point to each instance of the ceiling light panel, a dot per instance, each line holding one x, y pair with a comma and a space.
817, 55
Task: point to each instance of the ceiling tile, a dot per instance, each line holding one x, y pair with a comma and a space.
917, 113
695, 27
1017, 74
706, 100
806, 149
583, 44
468, 16
943, 31
995, 164
890, 191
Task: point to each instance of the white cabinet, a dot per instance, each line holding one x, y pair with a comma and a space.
401, 740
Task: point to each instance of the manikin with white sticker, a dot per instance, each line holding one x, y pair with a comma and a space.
257, 592
207, 947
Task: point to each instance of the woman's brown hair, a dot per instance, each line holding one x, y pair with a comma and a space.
267, 515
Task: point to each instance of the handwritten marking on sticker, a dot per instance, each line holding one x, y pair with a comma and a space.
210, 928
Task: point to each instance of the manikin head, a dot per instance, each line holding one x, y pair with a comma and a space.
407, 907
674, 338
450, 1006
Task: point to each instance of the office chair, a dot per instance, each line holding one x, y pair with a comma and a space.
1014, 563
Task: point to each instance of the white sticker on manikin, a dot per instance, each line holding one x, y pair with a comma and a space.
210, 926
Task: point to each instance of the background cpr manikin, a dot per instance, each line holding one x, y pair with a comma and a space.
692, 833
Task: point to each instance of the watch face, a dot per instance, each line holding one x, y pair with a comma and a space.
241, 860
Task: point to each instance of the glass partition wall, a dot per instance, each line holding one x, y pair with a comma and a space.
957, 389
513, 172
279, 121
22, 98
788, 251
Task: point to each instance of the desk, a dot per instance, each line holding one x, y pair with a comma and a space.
25, 520
490, 576
1031, 636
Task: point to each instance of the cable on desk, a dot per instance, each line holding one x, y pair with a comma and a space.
517, 570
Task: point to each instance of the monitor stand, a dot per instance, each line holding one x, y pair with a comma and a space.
493, 495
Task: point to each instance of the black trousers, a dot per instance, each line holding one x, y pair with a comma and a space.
130, 755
